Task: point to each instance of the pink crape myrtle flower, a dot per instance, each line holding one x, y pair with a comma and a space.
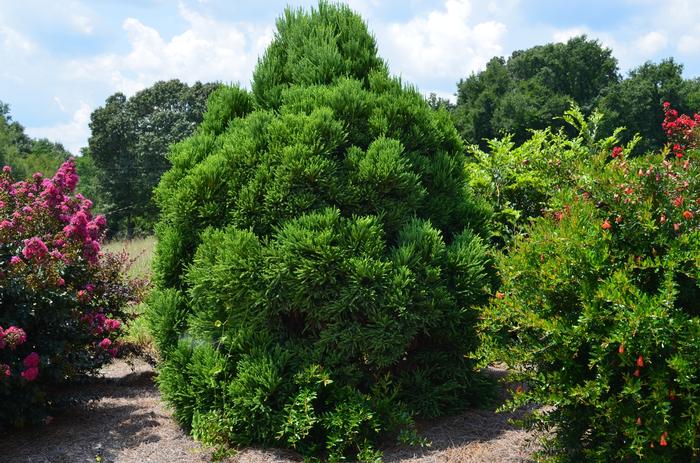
34, 248
30, 374
32, 360
14, 337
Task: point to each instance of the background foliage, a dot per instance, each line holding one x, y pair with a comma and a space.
129, 140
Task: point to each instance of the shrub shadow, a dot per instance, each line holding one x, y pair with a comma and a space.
99, 420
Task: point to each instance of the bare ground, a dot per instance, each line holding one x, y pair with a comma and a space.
120, 418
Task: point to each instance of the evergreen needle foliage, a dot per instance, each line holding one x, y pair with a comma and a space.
319, 254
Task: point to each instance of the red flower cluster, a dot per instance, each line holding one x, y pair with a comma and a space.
682, 131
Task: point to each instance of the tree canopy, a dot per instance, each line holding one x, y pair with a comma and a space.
635, 102
24, 154
531, 88
129, 143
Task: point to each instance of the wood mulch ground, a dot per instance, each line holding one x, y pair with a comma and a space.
119, 418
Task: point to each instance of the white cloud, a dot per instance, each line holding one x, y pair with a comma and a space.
208, 50
59, 103
563, 35
689, 44
12, 41
444, 44
652, 42
72, 134
82, 24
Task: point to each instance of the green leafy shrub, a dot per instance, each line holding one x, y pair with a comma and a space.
519, 181
319, 254
598, 313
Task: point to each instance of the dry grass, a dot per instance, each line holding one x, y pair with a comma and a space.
139, 250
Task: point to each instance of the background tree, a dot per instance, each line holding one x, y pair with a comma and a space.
635, 103
531, 88
24, 154
129, 143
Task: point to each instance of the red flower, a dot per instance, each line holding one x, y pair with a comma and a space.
621, 349
500, 295
606, 225
617, 151
687, 215
662, 441
640, 361
636, 373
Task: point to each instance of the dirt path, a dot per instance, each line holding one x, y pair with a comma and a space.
120, 419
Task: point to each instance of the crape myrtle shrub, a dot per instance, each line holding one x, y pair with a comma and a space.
318, 254
599, 309
61, 299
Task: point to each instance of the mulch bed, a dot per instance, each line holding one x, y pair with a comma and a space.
119, 418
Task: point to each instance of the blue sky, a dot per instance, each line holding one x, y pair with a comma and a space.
61, 60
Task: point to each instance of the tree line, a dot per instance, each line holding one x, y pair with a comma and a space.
130, 138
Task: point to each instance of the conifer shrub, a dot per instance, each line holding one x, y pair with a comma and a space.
599, 311
319, 255
62, 300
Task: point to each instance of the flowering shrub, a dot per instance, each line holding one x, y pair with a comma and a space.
599, 311
61, 299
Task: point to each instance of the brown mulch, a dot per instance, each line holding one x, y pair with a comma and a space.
119, 418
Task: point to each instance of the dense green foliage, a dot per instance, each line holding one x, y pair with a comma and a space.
598, 310
24, 154
129, 142
318, 257
531, 88
634, 102
518, 181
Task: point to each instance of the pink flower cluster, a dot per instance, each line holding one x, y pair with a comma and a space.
99, 324
31, 363
27, 208
48, 236
12, 337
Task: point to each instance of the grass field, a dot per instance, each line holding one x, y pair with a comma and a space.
140, 252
